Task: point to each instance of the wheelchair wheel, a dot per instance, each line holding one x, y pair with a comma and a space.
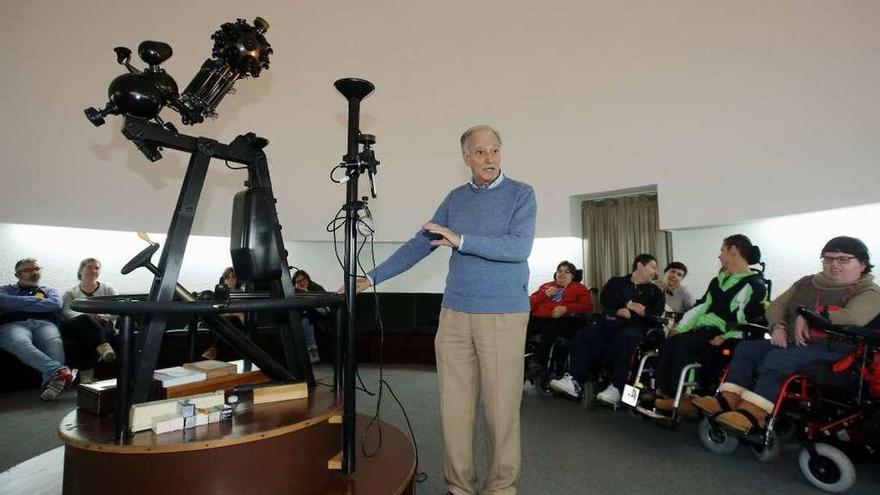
769, 453
716, 438
829, 470
588, 396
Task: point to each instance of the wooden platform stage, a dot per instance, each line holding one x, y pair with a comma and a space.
276, 448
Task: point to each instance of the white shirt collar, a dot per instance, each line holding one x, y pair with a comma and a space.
491, 185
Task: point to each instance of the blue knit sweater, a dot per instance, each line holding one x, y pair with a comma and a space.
490, 272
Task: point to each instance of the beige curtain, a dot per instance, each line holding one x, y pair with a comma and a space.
616, 230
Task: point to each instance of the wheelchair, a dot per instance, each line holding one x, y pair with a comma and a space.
600, 376
558, 359
834, 411
697, 378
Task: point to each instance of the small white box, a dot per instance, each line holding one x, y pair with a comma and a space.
186, 408
201, 419
167, 423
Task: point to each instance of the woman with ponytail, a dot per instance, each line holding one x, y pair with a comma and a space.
735, 296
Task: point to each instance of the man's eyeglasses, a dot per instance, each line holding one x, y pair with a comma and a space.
840, 260
31, 269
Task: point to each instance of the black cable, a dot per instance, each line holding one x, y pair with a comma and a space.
334, 169
420, 476
230, 167
333, 226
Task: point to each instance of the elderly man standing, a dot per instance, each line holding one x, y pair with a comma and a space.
489, 224
28, 313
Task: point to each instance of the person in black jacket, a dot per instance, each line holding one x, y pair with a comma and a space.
628, 303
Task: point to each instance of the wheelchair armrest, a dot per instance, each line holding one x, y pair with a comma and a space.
653, 338
660, 321
752, 331
585, 317
814, 318
856, 333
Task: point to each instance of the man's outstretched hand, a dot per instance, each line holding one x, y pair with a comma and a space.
361, 284
450, 238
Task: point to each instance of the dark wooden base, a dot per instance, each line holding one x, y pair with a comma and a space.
268, 449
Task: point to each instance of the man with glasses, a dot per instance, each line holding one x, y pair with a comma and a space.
844, 291
28, 317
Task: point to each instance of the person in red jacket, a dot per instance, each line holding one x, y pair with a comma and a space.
551, 305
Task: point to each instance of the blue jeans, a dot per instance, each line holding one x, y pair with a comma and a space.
309, 331
37, 343
762, 367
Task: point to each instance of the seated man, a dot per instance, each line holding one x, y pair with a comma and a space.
28, 313
565, 295
844, 290
627, 303
678, 298
736, 295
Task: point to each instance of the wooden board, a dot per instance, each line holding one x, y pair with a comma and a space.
212, 368
225, 382
278, 393
335, 463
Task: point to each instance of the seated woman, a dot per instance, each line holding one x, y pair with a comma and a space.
312, 317
228, 280
844, 290
88, 331
736, 295
562, 296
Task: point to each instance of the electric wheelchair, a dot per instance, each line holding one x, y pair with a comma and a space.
834, 411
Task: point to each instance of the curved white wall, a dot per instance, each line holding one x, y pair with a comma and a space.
736, 109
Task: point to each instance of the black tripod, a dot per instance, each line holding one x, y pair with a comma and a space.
355, 163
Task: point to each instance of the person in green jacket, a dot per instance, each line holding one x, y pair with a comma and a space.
735, 296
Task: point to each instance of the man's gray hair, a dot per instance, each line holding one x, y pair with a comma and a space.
467, 134
22, 262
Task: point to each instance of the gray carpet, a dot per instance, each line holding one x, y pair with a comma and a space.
567, 450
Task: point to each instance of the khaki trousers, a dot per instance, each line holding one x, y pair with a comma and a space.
481, 352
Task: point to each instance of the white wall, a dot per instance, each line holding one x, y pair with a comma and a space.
770, 105
60, 249
790, 245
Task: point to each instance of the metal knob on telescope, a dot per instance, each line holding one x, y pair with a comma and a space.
95, 116
261, 24
154, 53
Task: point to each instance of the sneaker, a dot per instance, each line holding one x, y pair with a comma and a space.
63, 378
313, 355
106, 354
610, 395
87, 376
566, 385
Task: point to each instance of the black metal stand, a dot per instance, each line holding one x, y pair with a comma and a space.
131, 305
246, 150
355, 164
